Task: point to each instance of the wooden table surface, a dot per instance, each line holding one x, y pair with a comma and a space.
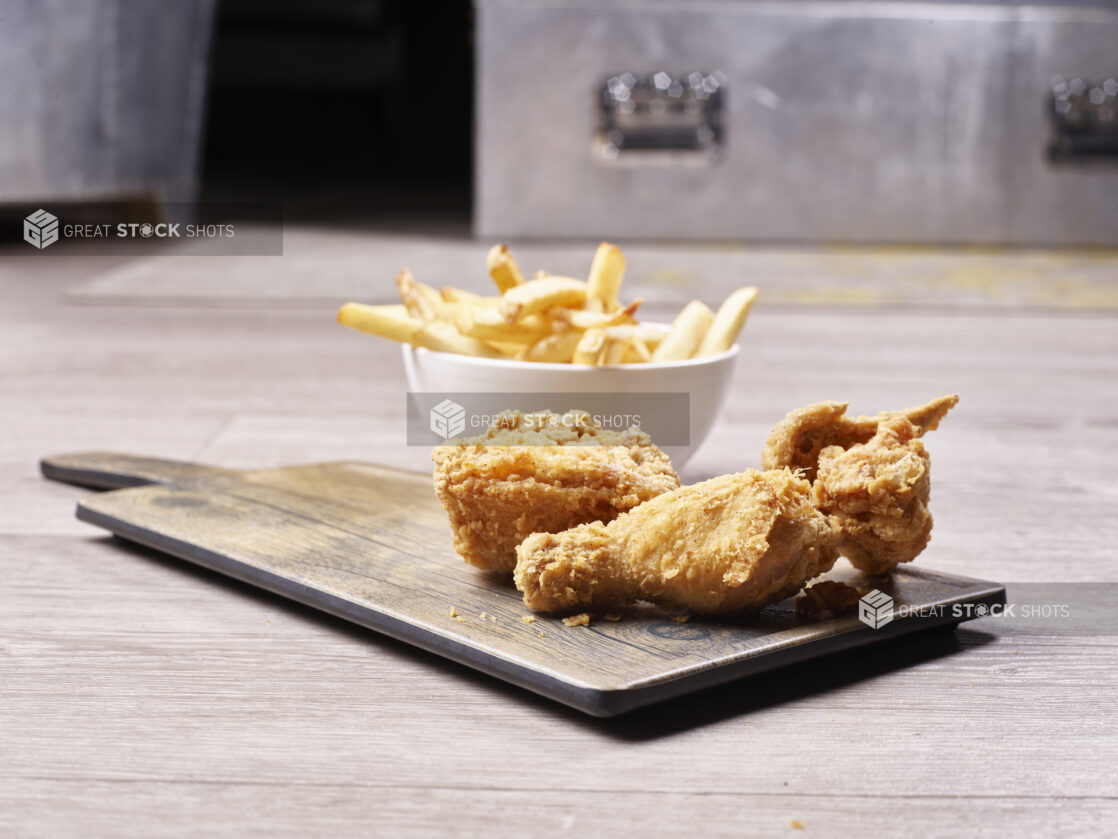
141, 697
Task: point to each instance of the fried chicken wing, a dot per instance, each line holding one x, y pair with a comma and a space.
797, 440
542, 473
877, 493
733, 543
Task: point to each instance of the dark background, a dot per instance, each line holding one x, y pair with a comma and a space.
342, 107
327, 111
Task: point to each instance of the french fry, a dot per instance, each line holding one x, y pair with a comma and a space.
440, 307
441, 336
582, 319
626, 314
728, 322
506, 349
450, 294
638, 352
606, 273
537, 295
557, 348
503, 268
488, 324
391, 321
589, 347
686, 334
650, 336
593, 304
631, 336
616, 348
549, 318
423, 302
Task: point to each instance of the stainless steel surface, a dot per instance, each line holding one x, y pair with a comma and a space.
844, 121
660, 118
1084, 119
101, 99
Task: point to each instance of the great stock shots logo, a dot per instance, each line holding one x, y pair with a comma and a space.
448, 419
40, 229
875, 609
544, 418
175, 228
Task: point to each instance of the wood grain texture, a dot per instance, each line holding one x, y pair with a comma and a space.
105, 470
669, 273
142, 697
371, 545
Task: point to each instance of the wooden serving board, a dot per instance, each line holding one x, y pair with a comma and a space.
372, 545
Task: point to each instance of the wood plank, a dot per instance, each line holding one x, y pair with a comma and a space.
371, 545
141, 696
221, 809
201, 686
319, 267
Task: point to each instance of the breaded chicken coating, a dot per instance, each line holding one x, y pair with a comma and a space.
730, 544
797, 440
542, 473
877, 493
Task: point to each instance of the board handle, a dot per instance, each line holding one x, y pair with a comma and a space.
109, 470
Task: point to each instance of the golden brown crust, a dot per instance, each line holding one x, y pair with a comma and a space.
797, 440
828, 599
525, 477
734, 543
739, 542
877, 493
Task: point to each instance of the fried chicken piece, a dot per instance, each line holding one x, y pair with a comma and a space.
877, 493
733, 543
828, 599
797, 440
542, 473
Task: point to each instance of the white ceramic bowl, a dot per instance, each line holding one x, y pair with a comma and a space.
706, 381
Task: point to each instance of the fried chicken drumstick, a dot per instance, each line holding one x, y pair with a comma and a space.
730, 544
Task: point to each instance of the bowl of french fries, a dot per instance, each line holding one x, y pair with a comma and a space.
559, 334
